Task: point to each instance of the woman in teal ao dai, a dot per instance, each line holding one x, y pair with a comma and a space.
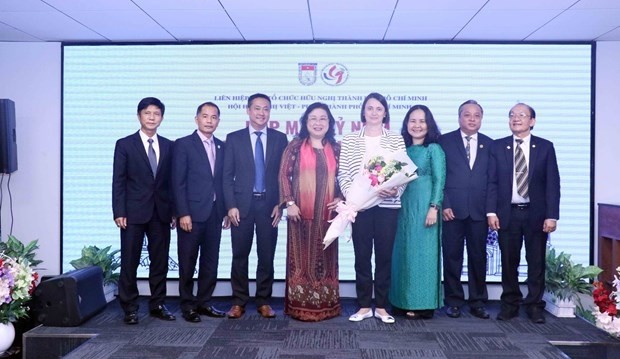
416, 261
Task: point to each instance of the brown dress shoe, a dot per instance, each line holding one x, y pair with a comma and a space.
236, 312
266, 311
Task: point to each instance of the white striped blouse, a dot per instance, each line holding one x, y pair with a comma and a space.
352, 153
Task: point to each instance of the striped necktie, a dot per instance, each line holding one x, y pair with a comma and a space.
521, 170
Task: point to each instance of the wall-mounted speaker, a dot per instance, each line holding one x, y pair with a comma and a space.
71, 298
8, 137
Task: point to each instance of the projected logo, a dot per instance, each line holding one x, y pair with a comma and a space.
335, 74
307, 73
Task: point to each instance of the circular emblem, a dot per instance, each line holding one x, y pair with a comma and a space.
335, 74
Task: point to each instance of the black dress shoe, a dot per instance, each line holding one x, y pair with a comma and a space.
536, 316
420, 314
453, 312
162, 313
131, 318
507, 314
191, 316
479, 312
210, 311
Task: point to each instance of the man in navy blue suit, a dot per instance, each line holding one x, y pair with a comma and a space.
464, 213
142, 206
197, 167
252, 196
523, 205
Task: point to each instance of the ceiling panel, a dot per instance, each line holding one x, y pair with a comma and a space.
351, 19
197, 24
441, 5
581, 24
23, 5
91, 5
270, 19
530, 5
597, 4
427, 24
352, 25
512, 25
613, 35
49, 25
307, 20
150, 5
8, 33
128, 25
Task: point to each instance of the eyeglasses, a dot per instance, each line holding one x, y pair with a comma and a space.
521, 116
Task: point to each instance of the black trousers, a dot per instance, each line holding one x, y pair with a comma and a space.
266, 239
205, 239
456, 234
511, 240
374, 226
158, 245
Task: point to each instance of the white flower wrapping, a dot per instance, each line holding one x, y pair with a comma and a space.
363, 195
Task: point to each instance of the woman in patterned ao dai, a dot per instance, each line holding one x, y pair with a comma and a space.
309, 189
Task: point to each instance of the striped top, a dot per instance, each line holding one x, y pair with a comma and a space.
353, 152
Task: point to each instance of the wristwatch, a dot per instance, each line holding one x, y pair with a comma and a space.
290, 203
433, 205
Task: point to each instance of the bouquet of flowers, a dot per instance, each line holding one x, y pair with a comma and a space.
606, 306
17, 282
379, 172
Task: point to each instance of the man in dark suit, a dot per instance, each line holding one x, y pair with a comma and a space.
197, 167
523, 205
141, 204
251, 194
464, 214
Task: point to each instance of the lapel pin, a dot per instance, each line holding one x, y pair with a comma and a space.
533, 146
481, 146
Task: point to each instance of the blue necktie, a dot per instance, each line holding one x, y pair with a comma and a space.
259, 164
152, 157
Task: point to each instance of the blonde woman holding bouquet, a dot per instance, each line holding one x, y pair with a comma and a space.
310, 192
416, 264
376, 226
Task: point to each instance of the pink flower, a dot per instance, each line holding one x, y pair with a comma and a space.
373, 180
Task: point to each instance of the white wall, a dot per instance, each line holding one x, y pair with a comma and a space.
607, 131
30, 75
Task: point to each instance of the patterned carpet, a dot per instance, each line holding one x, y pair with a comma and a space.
105, 336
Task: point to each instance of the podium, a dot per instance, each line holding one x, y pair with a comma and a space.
608, 240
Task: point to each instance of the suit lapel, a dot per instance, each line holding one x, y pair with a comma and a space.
458, 142
270, 148
199, 147
533, 157
509, 155
245, 146
139, 147
163, 152
219, 153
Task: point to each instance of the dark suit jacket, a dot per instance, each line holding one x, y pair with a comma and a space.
135, 193
193, 184
543, 181
465, 190
239, 169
